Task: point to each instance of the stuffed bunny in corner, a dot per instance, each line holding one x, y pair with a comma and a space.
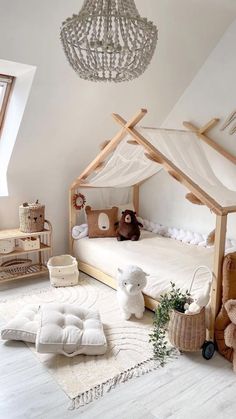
131, 282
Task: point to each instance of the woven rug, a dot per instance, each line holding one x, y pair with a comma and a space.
85, 378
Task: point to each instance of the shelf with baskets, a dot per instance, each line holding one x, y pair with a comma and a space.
36, 246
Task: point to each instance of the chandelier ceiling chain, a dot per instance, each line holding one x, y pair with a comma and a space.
108, 41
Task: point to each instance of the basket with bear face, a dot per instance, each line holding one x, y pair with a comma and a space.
32, 217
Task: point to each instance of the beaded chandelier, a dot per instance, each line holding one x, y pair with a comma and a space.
108, 41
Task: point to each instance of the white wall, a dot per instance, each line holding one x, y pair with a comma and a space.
66, 118
212, 93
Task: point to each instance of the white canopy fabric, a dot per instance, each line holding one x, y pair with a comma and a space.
128, 164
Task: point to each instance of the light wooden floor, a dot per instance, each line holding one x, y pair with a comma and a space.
187, 388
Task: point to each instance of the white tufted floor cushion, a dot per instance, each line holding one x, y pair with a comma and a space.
70, 330
24, 325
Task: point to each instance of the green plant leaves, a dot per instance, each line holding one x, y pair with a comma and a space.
174, 299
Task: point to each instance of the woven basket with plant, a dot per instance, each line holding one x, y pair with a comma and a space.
187, 332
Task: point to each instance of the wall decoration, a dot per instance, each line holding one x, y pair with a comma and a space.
79, 201
231, 119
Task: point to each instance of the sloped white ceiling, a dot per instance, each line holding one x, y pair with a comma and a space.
66, 118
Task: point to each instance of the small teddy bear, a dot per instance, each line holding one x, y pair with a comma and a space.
131, 282
128, 226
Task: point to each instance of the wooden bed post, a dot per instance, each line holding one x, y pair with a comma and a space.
136, 198
98, 161
72, 219
216, 293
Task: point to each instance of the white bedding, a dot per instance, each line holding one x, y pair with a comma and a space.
163, 258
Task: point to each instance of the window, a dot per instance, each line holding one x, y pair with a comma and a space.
6, 84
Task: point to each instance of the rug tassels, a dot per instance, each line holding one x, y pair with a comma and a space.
98, 391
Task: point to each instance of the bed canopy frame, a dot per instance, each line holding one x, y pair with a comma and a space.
197, 194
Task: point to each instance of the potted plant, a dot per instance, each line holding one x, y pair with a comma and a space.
172, 300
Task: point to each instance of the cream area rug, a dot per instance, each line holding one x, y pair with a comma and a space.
85, 378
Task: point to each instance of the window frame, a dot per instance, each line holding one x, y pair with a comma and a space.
6, 98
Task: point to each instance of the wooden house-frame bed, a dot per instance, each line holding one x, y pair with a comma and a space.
197, 195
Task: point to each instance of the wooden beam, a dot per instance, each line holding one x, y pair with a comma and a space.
104, 144
99, 166
169, 166
110, 146
136, 198
193, 199
153, 157
174, 175
216, 293
228, 210
190, 126
137, 118
132, 142
208, 126
72, 219
217, 147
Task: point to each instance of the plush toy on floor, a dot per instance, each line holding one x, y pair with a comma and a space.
201, 300
128, 226
131, 282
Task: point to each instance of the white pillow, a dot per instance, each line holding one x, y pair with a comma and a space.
24, 325
70, 330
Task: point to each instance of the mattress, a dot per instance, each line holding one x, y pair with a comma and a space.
164, 259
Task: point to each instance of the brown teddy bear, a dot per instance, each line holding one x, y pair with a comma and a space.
230, 331
128, 226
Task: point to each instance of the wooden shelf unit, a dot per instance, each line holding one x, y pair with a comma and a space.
38, 257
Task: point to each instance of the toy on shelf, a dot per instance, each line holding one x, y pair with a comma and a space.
39, 244
32, 217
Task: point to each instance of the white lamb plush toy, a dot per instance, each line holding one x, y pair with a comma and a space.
131, 281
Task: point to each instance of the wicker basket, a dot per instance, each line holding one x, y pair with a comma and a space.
32, 217
16, 266
187, 332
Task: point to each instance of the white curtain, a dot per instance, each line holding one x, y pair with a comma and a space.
188, 153
128, 164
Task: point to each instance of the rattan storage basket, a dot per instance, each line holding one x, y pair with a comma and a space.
32, 217
187, 332
16, 266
